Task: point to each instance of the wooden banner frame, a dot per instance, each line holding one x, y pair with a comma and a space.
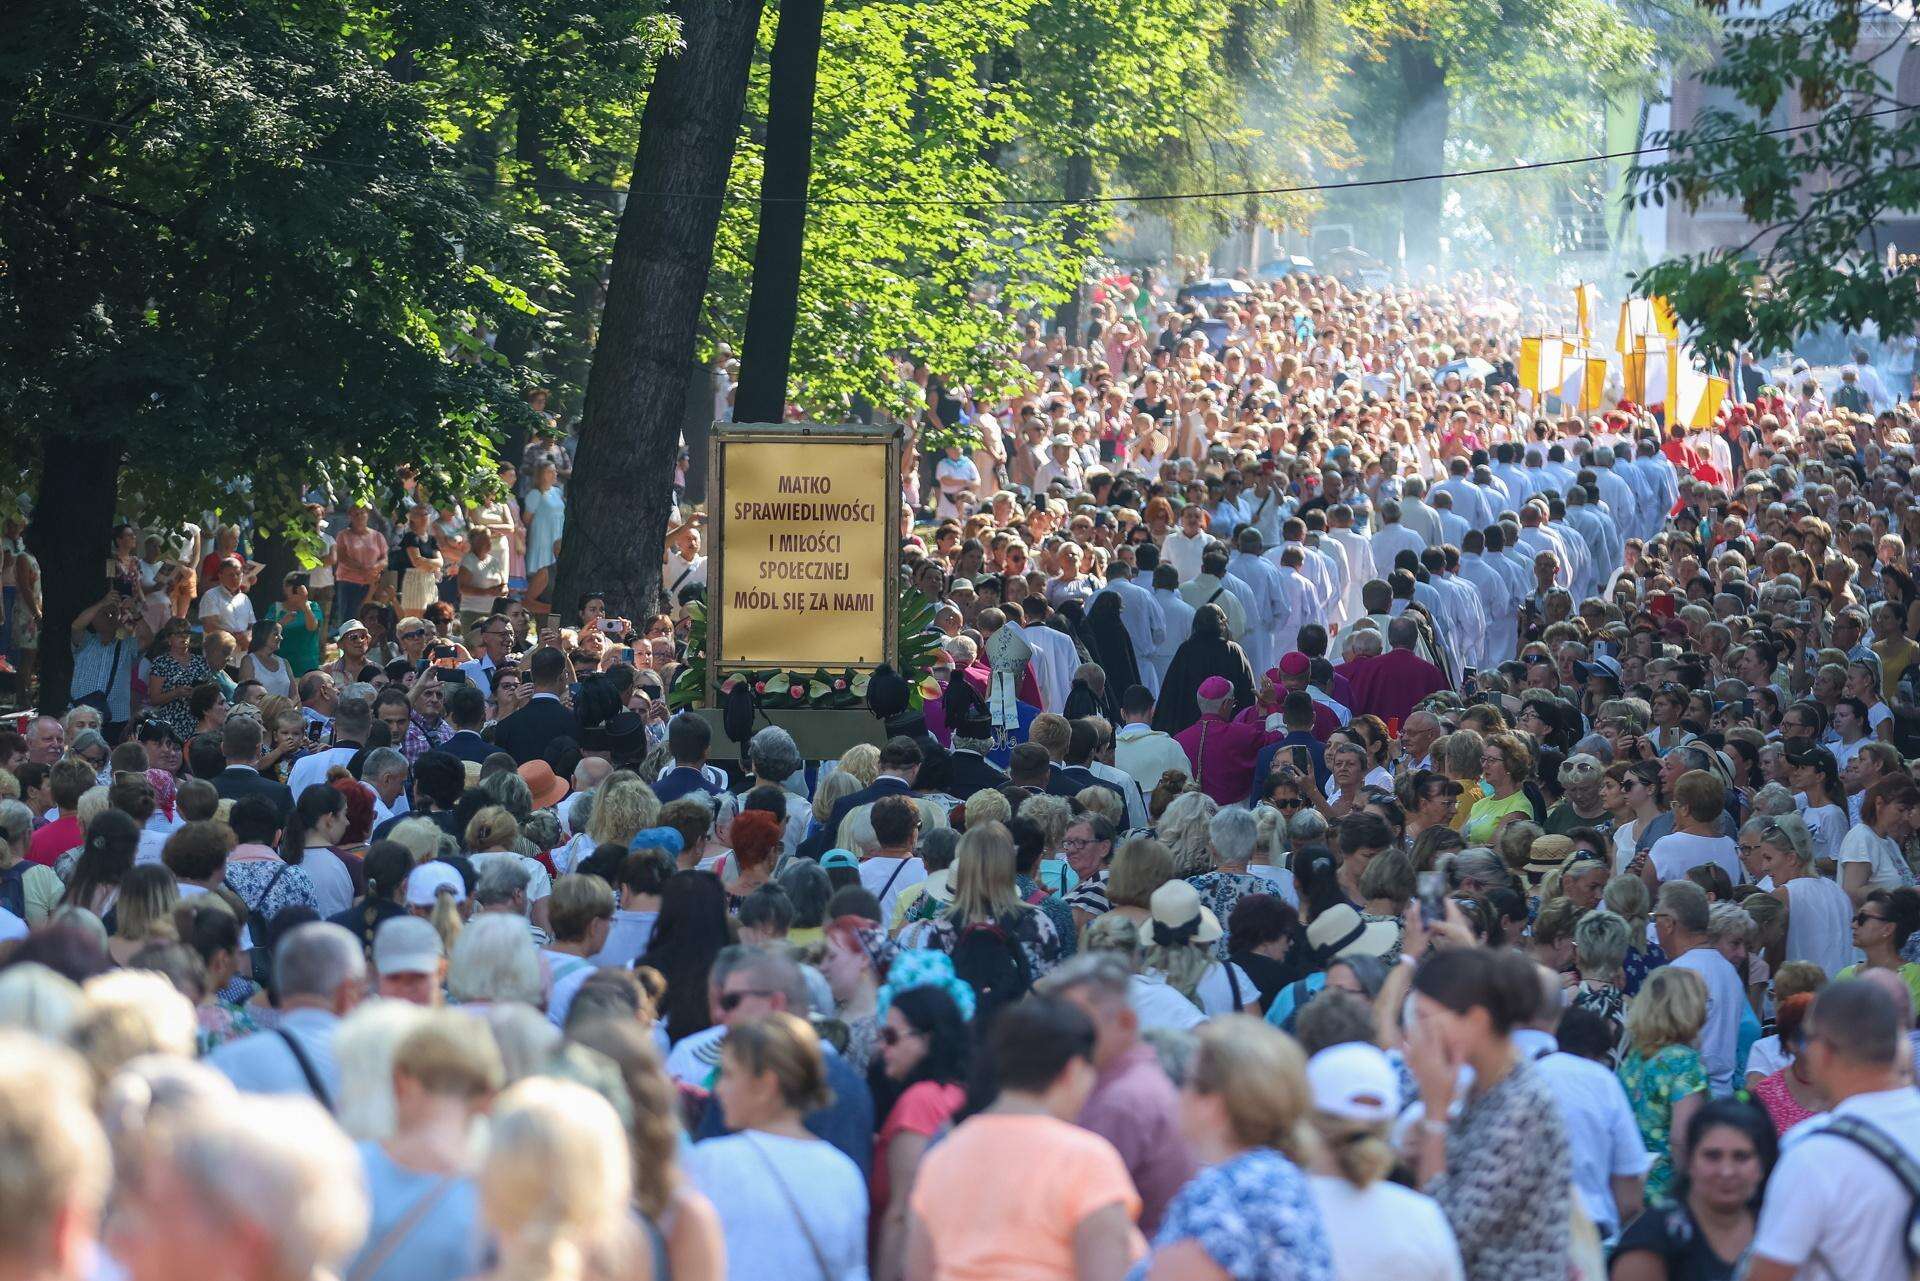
797, 435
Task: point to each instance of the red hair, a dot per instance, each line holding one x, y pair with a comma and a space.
756, 838
359, 809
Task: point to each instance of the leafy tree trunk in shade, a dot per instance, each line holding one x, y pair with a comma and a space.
621, 497
773, 310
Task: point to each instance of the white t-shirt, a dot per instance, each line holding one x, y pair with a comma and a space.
1819, 924
1766, 1057
1833, 1210
693, 1058
1385, 1231
1157, 1005
876, 873
1280, 878
1677, 853
766, 1181
1726, 997
1889, 870
1625, 844
332, 883
229, 611
11, 927
152, 842
1826, 824
1215, 990
1602, 1138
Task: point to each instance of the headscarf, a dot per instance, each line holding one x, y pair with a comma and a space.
924, 968
164, 790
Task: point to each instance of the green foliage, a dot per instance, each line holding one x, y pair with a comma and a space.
820, 687
1814, 194
235, 245
889, 280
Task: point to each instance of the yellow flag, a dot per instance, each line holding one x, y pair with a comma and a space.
1712, 397
1529, 365
1596, 384
1584, 298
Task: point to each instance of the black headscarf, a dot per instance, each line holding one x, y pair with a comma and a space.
1109, 646
1207, 652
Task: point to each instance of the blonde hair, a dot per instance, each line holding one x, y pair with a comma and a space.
862, 760
493, 828
93, 802
53, 1153
128, 1013
440, 1051
1259, 1074
1796, 977
1114, 933
144, 910
621, 808
988, 805
831, 790
1184, 966
556, 1180
787, 1046
1670, 1009
1183, 827
983, 885
419, 836
36, 999
364, 1047
1102, 801
1139, 867
1627, 897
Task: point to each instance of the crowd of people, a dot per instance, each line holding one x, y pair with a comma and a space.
1367, 821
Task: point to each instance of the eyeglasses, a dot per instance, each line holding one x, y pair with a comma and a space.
730, 1001
1078, 842
892, 1036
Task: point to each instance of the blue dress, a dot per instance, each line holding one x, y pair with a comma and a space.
1255, 1217
546, 514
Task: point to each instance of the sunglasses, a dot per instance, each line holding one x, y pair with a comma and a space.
1862, 918
730, 1001
1294, 804
892, 1036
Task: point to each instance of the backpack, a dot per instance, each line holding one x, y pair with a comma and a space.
13, 888
260, 930
990, 959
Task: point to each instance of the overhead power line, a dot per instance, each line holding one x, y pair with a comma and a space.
1131, 198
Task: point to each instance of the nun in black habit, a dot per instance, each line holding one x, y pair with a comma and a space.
1207, 652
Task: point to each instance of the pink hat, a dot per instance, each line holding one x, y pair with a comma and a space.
1215, 687
1294, 664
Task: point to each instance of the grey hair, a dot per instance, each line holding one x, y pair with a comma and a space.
508, 790
316, 958
1725, 920
1306, 827
363, 691
494, 959
420, 836
776, 970
380, 760
1600, 940
1366, 642
1235, 833
1105, 974
1477, 863
1686, 903
774, 754
1345, 745
499, 879
352, 717
280, 1163
1773, 801
16, 821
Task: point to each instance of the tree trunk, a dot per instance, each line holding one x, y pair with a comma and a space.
72, 516
1420, 146
1079, 186
621, 496
766, 359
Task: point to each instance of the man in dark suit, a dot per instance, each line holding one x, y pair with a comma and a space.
467, 712
1072, 776
525, 734
899, 766
241, 739
688, 739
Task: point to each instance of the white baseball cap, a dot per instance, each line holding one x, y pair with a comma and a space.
426, 881
1354, 1082
407, 945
